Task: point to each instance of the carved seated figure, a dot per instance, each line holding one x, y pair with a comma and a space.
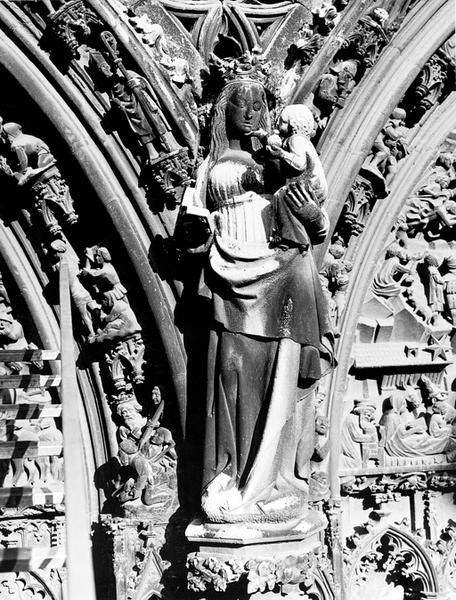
145, 447
389, 280
359, 434
443, 416
118, 321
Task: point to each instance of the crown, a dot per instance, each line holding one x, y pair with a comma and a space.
251, 66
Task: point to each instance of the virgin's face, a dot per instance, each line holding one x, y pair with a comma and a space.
243, 110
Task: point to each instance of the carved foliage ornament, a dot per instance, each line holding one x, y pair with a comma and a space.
290, 575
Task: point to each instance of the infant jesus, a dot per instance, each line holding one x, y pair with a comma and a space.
304, 187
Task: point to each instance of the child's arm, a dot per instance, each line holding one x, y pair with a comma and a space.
298, 155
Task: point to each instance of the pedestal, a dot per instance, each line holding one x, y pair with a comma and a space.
249, 559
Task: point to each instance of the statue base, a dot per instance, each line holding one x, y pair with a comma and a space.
236, 536
286, 558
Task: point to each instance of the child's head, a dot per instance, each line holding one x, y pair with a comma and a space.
296, 118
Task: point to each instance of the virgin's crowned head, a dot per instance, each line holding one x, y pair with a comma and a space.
240, 109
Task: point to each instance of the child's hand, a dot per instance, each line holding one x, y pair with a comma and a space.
274, 150
261, 134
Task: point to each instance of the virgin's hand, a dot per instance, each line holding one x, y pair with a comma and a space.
274, 149
296, 195
217, 221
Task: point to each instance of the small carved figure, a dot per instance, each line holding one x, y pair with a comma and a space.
132, 96
299, 56
394, 272
434, 286
434, 208
388, 149
145, 447
443, 415
300, 169
156, 395
118, 321
335, 86
449, 290
116, 325
359, 434
102, 274
318, 482
87, 307
397, 420
327, 14
336, 277
34, 167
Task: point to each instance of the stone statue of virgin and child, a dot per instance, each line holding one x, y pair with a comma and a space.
270, 340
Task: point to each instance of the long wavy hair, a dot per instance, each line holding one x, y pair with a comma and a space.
219, 137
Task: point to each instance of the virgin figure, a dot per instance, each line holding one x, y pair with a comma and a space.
270, 330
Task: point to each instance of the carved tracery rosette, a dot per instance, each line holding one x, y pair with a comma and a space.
391, 564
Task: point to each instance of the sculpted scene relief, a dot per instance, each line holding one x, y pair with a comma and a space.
251, 208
